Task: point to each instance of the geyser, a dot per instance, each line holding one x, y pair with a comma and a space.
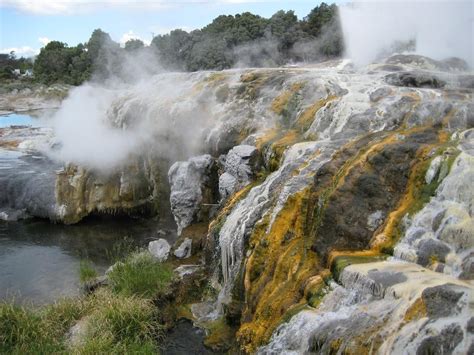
440, 29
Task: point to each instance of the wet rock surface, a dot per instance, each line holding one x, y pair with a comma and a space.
192, 185
357, 165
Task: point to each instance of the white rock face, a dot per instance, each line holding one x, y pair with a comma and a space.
184, 250
160, 249
433, 169
240, 167
444, 229
227, 185
186, 180
379, 295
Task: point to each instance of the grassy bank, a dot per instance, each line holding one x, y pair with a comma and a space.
121, 317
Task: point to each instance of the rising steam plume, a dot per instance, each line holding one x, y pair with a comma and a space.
440, 29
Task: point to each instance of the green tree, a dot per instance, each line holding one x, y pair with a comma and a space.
134, 45
104, 54
174, 48
319, 17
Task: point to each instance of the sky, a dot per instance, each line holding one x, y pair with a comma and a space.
28, 25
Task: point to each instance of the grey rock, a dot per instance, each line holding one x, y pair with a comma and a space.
431, 249
76, 335
470, 325
375, 219
241, 165
227, 185
161, 233
187, 181
184, 250
443, 343
417, 79
240, 162
441, 301
185, 270
380, 93
467, 268
160, 249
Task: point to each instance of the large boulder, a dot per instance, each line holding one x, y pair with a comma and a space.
240, 167
192, 185
417, 79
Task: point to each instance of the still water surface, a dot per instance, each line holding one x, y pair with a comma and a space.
37, 118
39, 260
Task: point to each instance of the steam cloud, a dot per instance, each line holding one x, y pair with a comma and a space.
441, 29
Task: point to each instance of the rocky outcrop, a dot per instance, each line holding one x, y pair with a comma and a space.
441, 235
415, 79
134, 189
241, 165
192, 185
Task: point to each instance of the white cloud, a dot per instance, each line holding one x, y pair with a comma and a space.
44, 40
24, 51
127, 36
55, 7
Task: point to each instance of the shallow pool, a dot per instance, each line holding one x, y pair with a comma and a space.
39, 260
37, 118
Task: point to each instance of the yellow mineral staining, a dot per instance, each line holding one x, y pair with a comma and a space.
416, 311
249, 76
267, 137
313, 291
220, 334
216, 78
11, 144
413, 95
415, 196
279, 264
306, 118
281, 102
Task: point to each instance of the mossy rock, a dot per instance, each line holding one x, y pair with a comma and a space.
339, 263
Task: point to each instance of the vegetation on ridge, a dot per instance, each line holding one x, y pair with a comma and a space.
244, 39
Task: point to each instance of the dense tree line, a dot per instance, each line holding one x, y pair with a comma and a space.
9, 62
249, 39
244, 39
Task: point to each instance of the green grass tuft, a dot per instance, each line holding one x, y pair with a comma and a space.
140, 274
86, 271
26, 330
120, 324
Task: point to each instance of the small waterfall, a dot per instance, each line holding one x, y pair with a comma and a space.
237, 226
